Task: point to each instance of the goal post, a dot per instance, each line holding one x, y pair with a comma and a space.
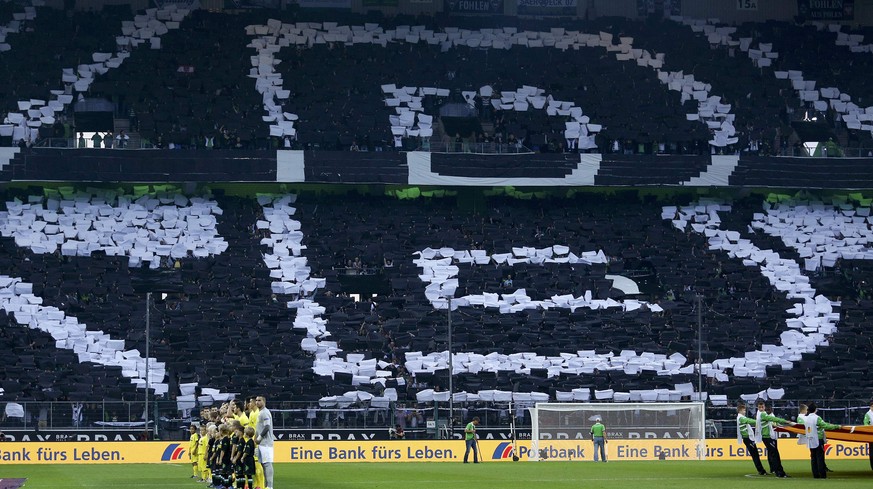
635, 431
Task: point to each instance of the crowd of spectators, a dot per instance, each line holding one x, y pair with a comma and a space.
194, 93
230, 297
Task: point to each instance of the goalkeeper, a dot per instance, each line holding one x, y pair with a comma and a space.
598, 434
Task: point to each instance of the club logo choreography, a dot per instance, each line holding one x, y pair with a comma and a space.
442, 281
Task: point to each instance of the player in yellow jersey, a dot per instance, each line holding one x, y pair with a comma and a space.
193, 449
253, 412
239, 414
201, 454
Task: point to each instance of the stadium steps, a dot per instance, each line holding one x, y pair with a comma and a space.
136, 140
717, 174
791, 172
439, 131
471, 165
7, 155
121, 125
842, 137
664, 170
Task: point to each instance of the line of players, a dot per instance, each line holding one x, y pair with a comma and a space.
228, 450
762, 429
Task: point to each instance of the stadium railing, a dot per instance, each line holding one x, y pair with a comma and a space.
474, 148
848, 152
71, 143
456, 148
420, 420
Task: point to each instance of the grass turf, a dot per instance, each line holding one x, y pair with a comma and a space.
615, 475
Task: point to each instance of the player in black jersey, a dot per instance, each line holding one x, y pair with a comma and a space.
238, 447
225, 452
212, 434
248, 457
244, 458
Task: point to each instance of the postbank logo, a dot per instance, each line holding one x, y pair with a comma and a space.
503, 450
174, 451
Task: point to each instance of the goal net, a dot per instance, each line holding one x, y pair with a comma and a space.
635, 431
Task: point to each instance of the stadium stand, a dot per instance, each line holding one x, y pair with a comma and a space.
767, 171
485, 166
148, 166
13, 19
542, 276
756, 98
363, 167
579, 73
623, 170
229, 297
582, 74
219, 111
192, 89
828, 88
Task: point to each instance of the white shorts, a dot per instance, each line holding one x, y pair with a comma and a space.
266, 454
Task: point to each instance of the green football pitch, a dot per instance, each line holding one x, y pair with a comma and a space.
615, 475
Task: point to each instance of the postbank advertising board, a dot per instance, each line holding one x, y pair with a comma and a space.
408, 451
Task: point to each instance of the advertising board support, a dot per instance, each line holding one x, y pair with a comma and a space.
451, 423
147, 344
700, 346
